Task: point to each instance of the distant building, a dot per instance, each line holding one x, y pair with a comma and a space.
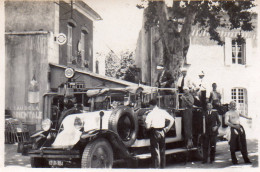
42, 38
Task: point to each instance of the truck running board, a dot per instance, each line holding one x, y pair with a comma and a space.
167, 152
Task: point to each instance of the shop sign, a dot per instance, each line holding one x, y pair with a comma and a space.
27, 113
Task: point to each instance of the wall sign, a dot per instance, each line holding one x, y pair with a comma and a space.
61, 38
28, 114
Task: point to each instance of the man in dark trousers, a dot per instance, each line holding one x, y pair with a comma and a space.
155, 122
237, 133
212, 123
187, 102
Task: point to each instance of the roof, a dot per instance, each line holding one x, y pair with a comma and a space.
224, 33
83, 7
126, 83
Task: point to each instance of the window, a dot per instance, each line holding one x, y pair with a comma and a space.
239, 95
69, 44
238, 51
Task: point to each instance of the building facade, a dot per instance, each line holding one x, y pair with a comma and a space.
41, 40
233, 66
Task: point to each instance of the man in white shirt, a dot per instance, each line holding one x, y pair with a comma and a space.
200, 90
155, 122
238, 136
199, 82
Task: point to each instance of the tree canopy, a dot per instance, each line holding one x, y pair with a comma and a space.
175, 23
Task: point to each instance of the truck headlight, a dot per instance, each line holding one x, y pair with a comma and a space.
46, 124
78, 123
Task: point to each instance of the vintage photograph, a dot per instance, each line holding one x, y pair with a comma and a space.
131, 84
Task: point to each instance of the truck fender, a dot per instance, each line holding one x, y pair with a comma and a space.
113, 138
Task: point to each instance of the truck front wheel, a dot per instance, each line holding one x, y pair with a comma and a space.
97, 154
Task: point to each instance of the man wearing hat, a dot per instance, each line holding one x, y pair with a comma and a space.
200, 82
164, 79
187, 104
200, 90
183, 80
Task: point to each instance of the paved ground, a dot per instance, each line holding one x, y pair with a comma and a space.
14, 159
223, 158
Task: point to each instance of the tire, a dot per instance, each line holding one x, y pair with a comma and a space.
124, 122
39, 163
97, 154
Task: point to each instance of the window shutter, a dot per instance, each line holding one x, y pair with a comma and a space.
228, 51
246, 102
248, 52
244, 53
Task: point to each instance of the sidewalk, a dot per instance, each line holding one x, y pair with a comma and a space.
12, 158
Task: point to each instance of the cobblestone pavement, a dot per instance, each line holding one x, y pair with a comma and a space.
14, 159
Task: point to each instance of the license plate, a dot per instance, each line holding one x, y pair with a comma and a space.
55, 163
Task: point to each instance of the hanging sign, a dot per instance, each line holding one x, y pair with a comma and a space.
69, 72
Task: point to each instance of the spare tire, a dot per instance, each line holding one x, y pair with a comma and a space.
124, 122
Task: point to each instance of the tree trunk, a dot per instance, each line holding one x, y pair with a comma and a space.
175, 43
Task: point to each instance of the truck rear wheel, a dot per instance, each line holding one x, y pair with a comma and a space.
97, 154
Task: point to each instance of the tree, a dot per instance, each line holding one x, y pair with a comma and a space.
121, 67
175, 23
112, 63
125, 62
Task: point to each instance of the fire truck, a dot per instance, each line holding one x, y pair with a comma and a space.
96, 127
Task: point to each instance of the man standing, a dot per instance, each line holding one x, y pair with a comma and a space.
238, 136
183, 81
155, 121
164, 79
215, 97
200, 89
187, 104
212, 123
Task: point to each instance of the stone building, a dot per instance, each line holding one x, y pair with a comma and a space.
42, 38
